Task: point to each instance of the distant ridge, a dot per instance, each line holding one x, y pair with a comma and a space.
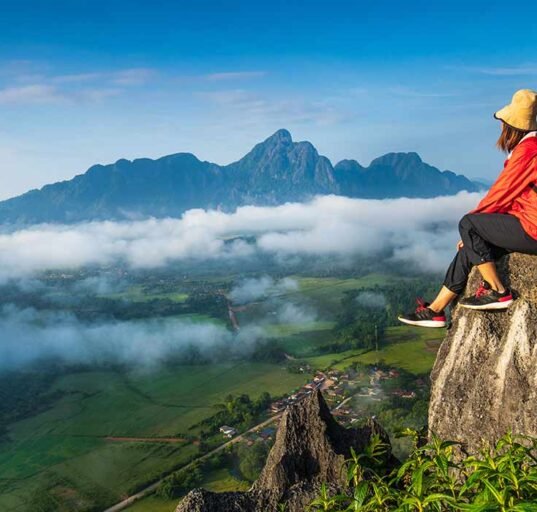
275, 171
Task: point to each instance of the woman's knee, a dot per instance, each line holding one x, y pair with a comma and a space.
465, 224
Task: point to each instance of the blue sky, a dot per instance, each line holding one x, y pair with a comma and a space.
83, 82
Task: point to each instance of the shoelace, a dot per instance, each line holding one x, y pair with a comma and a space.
422, 305
482, 290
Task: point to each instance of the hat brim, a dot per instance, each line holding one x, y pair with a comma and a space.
505, 115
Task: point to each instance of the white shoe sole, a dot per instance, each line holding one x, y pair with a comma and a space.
493, 306
423, 323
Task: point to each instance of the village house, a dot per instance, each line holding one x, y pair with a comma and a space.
228, 431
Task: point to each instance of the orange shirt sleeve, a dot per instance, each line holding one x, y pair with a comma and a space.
512, 181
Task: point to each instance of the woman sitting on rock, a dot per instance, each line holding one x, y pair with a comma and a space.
504, 221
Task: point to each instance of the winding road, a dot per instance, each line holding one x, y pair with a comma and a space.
122, 505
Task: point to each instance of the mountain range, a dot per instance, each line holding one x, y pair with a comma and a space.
275, 171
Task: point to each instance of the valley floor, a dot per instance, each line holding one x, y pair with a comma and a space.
111, 432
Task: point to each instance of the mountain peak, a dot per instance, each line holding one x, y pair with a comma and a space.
282, 136
274, 172
396, 159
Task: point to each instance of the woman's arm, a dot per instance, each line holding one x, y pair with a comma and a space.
515, 177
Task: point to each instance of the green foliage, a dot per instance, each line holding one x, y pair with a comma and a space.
437, 478
44, 501
180, 482
252, 459
268, 351
238, 411
23, 395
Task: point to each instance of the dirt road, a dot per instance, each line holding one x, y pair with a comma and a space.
122, 505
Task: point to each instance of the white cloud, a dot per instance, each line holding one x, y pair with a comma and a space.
37, 93
134, 76
254, 109
235, 75
256, 288
46, 87
509, 71
77, 77
29, 336
416, 230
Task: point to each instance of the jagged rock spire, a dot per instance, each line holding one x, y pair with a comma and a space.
310, 449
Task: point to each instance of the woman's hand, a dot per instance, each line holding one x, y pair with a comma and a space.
460, 245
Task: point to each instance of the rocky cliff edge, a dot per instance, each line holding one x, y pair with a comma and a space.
484, 381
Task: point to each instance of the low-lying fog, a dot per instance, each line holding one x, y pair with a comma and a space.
414, 232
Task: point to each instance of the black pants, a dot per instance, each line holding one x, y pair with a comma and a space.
486, 237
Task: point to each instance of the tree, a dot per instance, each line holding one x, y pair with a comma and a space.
252, 459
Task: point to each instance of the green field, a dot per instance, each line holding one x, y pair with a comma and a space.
411, 348
219, 480
64, 448
326, 292
140, 293
153, 504
302, 340
64, 451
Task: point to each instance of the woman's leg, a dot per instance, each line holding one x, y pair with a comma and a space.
455, 280
486, 237
490, 275
444, 298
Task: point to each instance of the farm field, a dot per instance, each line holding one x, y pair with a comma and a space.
302, 340
220, 480
140, 293
64, 448
110, 431
410, 348
327, 292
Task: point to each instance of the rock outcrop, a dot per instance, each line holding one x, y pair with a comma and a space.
485, 375
310, 449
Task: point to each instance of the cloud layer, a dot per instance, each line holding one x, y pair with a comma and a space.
422, 231
29, 336
416, 232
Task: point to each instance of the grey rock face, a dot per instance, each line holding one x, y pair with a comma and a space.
485, 375
310, 449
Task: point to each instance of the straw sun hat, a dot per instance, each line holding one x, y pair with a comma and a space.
521, 113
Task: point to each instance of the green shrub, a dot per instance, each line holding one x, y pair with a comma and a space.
436, 478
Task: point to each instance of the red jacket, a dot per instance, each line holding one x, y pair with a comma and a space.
515, 190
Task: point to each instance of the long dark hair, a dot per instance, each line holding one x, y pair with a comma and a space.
509, 138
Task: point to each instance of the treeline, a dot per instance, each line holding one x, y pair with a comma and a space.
88, 306
396, 413
366, 312
240, 412
23, 395
243, 461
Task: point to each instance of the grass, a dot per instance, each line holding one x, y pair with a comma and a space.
327, 292
139, 293
216, 480
302, 340
63, 448
154, 504
65, 445
410, 348
221, 480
